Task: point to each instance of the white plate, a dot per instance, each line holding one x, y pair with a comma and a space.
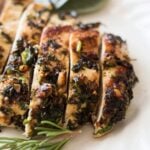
131, 20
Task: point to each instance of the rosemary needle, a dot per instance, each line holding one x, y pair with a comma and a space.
48, 130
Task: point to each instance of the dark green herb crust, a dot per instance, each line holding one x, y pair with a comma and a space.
17, 76
11, 91
116, 106
52, 44
86, 61
118, 84
15, 92
111, 59
50, 72
49, 95
88, 25
37, 21
84, 77
85, 93
25, 55
52, 105
45, 58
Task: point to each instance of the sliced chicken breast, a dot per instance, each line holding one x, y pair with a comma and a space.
17, 75
118, 79
84, 77
49, 88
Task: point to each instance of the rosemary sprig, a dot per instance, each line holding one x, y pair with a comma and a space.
26, 144
48, 130
52, 130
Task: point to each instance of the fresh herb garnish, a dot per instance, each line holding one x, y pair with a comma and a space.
48, 130
25, 144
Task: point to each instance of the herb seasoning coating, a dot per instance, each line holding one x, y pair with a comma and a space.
84, 78
16, 79
49, 88
9, 20
118, 79
60, 70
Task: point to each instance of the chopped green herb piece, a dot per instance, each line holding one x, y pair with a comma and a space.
22, 79
28, 56
79, 46
25, 55
25, 121
106, 129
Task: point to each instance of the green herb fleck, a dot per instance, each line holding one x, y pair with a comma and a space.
27, 56
79, 46
26, 121
23, 105
11, 70
105, 129
22, 79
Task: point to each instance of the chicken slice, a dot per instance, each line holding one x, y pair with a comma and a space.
49, 87
17, 75
23, 53
118, 79
9, 20
7, 35
12, 10
84, 77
